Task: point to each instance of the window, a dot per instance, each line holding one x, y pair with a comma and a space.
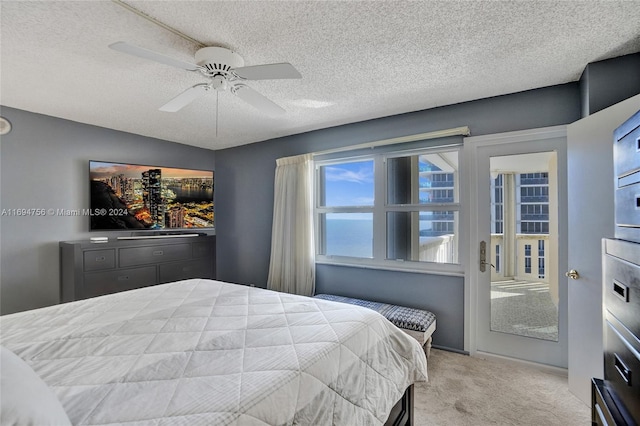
497, 219
394, 209
540, 258
533, 216
346, 193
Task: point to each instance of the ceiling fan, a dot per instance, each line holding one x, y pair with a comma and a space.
224, 69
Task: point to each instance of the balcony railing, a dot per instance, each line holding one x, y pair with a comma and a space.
530, 263
440, 249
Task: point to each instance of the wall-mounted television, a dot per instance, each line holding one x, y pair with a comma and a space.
140, 197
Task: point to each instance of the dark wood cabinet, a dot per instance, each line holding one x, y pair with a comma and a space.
616, 399
90, 269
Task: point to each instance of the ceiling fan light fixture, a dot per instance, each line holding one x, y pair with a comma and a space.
219, 83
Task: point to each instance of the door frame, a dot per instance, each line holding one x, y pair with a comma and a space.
471, 146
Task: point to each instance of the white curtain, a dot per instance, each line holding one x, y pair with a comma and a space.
292, 268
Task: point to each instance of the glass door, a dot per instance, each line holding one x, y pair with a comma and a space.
524, 233
521, 243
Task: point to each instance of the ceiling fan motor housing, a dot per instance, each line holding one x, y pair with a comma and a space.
218, 60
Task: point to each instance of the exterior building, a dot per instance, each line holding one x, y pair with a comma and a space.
531, 217
174, 217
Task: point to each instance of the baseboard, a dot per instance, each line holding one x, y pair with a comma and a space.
542, 367
448, 349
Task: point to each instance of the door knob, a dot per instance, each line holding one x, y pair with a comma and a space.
573, 274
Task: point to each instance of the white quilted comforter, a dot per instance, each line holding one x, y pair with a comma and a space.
203, 352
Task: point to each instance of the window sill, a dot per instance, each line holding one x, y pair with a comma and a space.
453, 270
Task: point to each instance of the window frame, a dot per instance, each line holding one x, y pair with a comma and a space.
381, 207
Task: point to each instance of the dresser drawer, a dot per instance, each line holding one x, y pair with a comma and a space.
184, 270
97, 260
622, 283
622, 369
604, 411
153, 254
99, 283
626, 152
627, 211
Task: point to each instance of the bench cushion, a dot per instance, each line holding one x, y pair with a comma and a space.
400, 316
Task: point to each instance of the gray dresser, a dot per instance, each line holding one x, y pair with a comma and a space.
91, 269
616, 399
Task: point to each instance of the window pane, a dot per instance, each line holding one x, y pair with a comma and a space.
348, 234
422, 236
422, 179
347, 184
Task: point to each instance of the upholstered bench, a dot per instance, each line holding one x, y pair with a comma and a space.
417, 323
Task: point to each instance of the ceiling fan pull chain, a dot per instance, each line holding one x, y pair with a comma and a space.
217, 97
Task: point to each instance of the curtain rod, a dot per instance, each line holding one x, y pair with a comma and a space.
456, 131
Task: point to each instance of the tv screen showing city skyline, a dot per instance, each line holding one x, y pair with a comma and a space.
142, 197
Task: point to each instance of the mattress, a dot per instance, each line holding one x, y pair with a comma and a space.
208, 352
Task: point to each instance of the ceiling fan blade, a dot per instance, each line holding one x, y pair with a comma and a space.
185, 98
267, 72
256, 100
141, 52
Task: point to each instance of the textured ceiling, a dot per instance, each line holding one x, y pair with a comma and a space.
359, 60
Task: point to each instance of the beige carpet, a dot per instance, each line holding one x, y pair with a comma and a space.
465, 390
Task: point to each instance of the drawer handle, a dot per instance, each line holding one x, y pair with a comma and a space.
100, 259
621, 290
622, 369
123, 277
158, 253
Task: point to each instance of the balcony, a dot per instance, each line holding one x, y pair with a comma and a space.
524, 300
524, 295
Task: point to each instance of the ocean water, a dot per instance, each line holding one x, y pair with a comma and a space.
347, 237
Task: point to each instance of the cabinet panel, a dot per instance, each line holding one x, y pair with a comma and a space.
99, 283
203, 250
153, 254
175, 271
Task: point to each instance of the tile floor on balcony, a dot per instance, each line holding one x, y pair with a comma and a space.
524, 308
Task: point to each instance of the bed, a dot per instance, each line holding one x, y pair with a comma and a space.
209, 352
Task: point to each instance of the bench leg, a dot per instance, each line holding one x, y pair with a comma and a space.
427, 347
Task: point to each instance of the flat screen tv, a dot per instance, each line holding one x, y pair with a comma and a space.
138, 197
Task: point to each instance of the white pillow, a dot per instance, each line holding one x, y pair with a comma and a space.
25, 399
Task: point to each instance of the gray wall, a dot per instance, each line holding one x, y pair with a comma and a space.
608, 82
44, 164
244, 199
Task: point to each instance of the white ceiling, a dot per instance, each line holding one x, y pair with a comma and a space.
361, 60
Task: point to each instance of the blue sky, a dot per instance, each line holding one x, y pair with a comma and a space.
349, 184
